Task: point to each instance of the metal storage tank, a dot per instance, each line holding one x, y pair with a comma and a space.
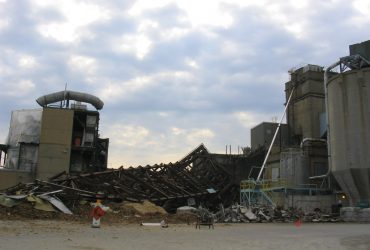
348, 97
294, 167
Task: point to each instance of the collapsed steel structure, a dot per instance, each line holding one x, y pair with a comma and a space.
198, 176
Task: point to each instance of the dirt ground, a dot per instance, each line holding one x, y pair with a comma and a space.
56, 234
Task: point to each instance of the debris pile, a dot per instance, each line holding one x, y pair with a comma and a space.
143, 209
263, 213
197, 176
148, 192
122, 213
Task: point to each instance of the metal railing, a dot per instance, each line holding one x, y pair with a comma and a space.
264, 184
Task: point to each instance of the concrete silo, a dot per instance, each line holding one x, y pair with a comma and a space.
348, 113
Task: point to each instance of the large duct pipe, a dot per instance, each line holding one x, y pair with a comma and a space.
70, 95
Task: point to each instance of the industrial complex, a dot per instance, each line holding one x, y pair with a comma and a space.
318, 160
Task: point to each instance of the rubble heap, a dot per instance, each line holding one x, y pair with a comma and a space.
263, 213
196, 176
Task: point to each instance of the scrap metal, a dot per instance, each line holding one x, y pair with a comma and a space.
198, 176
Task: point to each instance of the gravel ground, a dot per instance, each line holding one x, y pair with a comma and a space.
44, 234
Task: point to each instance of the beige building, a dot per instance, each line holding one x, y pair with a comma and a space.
45, 142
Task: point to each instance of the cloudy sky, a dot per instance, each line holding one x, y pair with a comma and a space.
172, 74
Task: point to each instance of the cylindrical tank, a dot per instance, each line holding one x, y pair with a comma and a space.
348, 96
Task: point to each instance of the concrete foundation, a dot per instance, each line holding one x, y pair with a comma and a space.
305, 202
355, 214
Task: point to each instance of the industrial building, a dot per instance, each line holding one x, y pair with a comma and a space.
57, 138
299, 151
321, 156
348, 105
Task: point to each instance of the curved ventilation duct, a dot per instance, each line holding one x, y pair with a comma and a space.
70, 95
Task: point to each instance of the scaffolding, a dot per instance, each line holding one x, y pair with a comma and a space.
253, 192
264, 191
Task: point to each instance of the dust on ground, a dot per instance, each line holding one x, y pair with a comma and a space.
24, 227
59, 234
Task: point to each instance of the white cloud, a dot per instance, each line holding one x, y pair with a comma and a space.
192, 63
163, 114
362, 6
127, 135
196, 136
62, 32
4, 23
216, 15
250, 119
78, 14
292, 19
146, 25
138, 45
290, 15
26, 85
300, 4
5, 69
363, 9
195, 10
174, 33
140, 6
28, 62
115, 91
177, 131
84, 64
18, 88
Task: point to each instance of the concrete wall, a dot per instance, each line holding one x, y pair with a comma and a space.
305, 119
55, 142
273, 163
305, 202
308, 203
262, 134
355, 214
308, 102
9, 178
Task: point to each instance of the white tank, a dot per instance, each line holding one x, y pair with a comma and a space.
349, 124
